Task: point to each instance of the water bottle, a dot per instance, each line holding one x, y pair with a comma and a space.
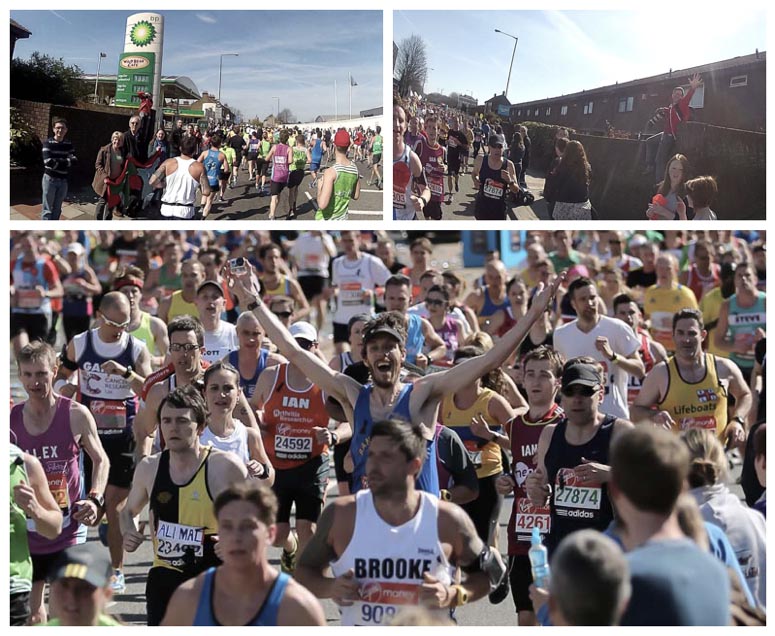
539, 560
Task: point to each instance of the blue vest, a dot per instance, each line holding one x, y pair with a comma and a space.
415, 340
28, 280
102, 414
427, 480
248, 385
212, 166
317, 152
266, 615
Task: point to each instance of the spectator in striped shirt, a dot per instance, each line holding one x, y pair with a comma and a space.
58, 156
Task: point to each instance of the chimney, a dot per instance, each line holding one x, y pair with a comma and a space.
757, 54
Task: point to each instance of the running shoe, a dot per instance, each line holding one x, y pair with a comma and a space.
457, 186
288, 559
501, 592
118, 584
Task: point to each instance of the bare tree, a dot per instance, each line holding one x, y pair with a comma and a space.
412, 65
286, 116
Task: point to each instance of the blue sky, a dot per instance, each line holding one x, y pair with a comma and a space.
561, 52
294, 55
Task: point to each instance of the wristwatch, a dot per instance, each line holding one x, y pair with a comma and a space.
128, 373
97, 498
614, 357
445, 495
461, 596
254, 304
739, 419
334, 438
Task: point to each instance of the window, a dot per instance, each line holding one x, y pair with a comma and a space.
626, 104
738, 80
519, 113
588, 108
564, 110
698, 99
548, 110
536, 113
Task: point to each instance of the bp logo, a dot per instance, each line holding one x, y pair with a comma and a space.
142, 33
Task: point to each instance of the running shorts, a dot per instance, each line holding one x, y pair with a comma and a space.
305, 485
520, 577
295, 178
341, 333
277, 187
35, 325
312, 286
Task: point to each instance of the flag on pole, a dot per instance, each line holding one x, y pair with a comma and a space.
352, 81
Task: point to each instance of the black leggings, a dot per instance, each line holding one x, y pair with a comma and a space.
485, 509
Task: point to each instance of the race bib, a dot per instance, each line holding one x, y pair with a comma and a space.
28, 298
380, 598
110, 415
662, 327
351, 293
399, 198
474, 452
493, 189
436, 188
528, 517
284, 444
175, 540
569, 493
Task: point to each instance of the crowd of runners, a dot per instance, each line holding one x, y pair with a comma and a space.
214, 162
199, 389
431, 142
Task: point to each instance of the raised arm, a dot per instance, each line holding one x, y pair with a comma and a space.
338, 385
460, 376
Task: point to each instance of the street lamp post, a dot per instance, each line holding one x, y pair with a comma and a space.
516, 39
278, 107
220, 70
97, 81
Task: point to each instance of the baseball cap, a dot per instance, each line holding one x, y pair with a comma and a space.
303, 329
75, 248
342, 139
496, 139
85, 561
383, 329
637, 240
214, 283
582, 374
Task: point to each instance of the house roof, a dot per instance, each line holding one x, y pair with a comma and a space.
175, 86
674, 75
18, 30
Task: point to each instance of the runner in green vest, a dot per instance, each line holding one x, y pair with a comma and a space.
80, 587
30, 500
301, 157
338, 184
376, 158
262, 166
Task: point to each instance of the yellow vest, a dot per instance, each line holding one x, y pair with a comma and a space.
486, 456
699, 405
659, 305
179, 307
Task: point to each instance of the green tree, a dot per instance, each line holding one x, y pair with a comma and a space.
43, 78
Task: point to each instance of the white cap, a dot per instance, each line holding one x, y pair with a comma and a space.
76, 248
637, 240
304, 330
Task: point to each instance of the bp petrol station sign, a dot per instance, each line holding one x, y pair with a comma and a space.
135, 74
139, 66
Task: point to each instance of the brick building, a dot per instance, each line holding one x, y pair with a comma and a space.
733, 96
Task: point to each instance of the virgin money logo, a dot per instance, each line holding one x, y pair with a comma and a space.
567, 477
371, 592
284, 429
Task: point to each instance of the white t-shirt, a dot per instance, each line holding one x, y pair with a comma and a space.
310, 254
571, 342
353, 278
236, 443
221, 342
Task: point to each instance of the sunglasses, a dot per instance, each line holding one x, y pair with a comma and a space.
117, 325
187, 347
499, 146
305, 344
282, 314
584, 391
434, 302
